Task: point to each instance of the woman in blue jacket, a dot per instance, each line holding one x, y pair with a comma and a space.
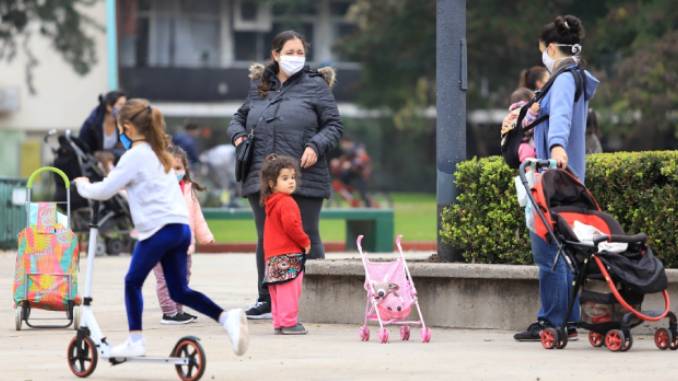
561, 137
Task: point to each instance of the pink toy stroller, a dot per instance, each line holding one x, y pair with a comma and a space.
390, 296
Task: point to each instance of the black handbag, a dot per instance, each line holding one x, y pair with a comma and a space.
243, 156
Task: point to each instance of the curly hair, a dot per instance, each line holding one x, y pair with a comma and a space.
270, 171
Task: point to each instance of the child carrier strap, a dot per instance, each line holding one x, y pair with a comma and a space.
511, 141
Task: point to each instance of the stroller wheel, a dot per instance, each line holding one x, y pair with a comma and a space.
628, 342
548, 337
383, 335
426, 335
663, 338
615, 340
364, 333
562, 338
404, 333
596, 339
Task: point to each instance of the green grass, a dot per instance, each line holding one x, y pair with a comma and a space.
415, 219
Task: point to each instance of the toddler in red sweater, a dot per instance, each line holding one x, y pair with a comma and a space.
285, 242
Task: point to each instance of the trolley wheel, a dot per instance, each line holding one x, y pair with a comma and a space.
76, 317
663, 338
364, 333
596, 339
190, 348
548, 337
404, 332
25, 310
100, 247
18, 317
383, 335
82, 356
615, 340
426, 335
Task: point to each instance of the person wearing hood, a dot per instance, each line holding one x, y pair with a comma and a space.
99, 131
290, 110
561, 137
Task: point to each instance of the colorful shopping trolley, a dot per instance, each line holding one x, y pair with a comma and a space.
46, 271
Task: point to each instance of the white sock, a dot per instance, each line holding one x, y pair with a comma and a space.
136, 336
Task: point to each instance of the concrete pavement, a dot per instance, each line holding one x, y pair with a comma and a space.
329, 352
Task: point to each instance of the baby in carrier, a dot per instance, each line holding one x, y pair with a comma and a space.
518, 99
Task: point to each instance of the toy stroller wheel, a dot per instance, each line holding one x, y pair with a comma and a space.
662, 338
615, 340
561, 343
364, 333
190, 348
18, 318
383, 335
596, 339
426, 335
82, 356
548, 337
404, 333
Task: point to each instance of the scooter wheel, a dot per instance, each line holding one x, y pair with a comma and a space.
190, 348
82, 356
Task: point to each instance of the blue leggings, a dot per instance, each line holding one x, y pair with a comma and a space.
168, 246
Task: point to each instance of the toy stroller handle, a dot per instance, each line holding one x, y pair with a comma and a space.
398, 245
358, 242
58, 171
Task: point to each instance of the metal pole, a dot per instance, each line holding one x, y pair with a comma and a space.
451, 85
112, 44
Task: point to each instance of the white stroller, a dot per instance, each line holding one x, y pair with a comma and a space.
390, 296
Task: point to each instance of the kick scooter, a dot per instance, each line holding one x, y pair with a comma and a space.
188, 356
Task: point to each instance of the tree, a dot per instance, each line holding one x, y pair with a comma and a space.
57, 20
630, 45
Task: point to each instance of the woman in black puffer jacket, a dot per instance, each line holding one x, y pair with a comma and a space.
293, 112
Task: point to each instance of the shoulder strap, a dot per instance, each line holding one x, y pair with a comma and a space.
579, 83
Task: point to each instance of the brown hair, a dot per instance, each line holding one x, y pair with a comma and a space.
529, 77
521, 94
150, 123
272, 68
179, 153
270, 170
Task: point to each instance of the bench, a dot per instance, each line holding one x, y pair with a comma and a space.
375, 224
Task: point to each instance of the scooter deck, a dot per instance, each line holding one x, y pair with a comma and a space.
166, 360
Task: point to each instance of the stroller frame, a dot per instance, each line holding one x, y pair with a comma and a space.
372, 302
615, 335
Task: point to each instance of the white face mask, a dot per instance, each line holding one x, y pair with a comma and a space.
291, 65
548, 61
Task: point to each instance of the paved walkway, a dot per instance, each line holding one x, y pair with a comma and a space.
329, 352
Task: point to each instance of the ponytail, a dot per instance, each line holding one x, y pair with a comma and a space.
150, 123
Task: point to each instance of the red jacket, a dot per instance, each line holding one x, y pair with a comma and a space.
283, 232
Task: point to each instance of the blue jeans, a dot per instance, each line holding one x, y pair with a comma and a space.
555, 285
168, 246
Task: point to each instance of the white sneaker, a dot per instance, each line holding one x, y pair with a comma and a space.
236, 328
129, 348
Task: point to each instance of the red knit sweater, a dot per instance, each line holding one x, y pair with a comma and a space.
283, 232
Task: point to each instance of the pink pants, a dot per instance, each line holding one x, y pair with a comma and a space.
285, 302
167, 305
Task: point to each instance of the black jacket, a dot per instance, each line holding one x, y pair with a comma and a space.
305, 115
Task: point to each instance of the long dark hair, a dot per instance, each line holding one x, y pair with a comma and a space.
179, 153
150, 123
271, 69
110, 98
270, 170
565, 30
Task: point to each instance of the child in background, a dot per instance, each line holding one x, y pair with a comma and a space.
285, 242
172, 312
519, 98
161, 218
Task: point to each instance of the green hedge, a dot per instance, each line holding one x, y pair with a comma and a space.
639, 188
